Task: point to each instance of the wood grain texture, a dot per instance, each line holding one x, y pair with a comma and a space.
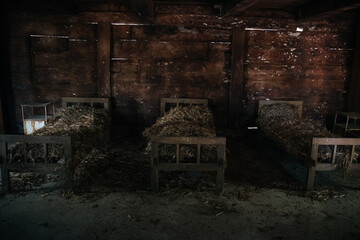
237, 75
103, 59
184, 51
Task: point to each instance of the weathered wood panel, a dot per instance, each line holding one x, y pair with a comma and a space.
50, 76
20, 64
237, 88
309, 65
117, 6
311, 55
83, 76
180, 33
160, 49
50, 60
121, 32
108, 17
188, 73
83, 54
84, 31
288, 39
36, 27
126, 71
18, 47
186, 8
272, 72
353, 101
185, 51
103, 59
21, 80
49, 44
44, 93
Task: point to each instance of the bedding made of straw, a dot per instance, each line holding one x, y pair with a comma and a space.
88, 128
184, 121
281, 123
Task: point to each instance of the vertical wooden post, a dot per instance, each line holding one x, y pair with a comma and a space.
177, 153
333, 129
198, 154
162, 107
68, 172
312, 168
221, 167
353, 103
334, 154
5, 179
45, 153
154, 166
237, 75
310, 178
104, 58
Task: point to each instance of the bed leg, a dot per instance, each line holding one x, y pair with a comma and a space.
69, 177
220, 178
154, 179
5, 178
221, 167
310, 178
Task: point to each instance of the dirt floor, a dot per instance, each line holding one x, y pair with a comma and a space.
263, 198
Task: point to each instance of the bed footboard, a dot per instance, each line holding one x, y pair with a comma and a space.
103, 102
178, 101
45, 165
219, 166
335, 142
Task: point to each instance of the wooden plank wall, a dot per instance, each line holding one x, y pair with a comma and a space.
184, 51
312, 66
51, 58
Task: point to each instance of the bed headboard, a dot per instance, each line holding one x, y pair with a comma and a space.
66, 101
177, 101
298, 104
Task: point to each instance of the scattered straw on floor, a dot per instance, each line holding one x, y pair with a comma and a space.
22, 181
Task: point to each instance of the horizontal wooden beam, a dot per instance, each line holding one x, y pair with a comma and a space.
336, 141
34, 167
190, 140
66, 101
188, 101
236, 8
35, 139
326, 7
188, 167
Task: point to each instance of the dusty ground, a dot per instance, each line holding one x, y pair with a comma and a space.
263, 199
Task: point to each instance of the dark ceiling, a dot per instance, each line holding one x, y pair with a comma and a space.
302, 8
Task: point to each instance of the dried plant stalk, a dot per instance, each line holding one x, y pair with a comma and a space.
282, 124
184, 121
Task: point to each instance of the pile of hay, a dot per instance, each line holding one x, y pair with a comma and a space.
184, 121
88, 128
93, 164
282, 124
